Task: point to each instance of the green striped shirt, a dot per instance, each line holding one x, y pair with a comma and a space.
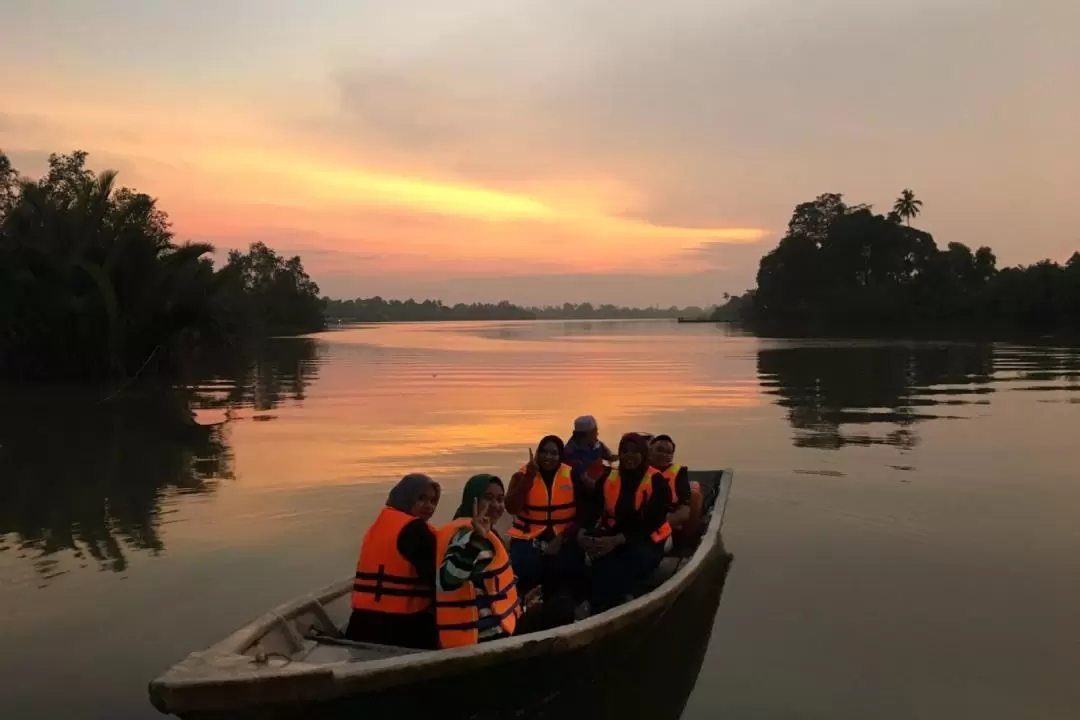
467, 556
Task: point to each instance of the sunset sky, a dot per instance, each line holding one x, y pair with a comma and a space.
544, 151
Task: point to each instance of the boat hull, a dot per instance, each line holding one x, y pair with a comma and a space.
646, 669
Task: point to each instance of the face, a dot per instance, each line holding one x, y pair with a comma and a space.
547, 457
493, 496
630, 457
593, 436
424, 507
662, 454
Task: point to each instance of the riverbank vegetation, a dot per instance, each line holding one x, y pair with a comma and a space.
843, 267
94, 285
376, 309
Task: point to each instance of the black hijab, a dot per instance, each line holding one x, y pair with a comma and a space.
548, 476
638, 442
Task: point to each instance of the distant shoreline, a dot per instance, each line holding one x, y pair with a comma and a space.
332, 322
378, 309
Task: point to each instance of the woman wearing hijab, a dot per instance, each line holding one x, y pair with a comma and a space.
543, 500
627, 525
394, 591
476, 597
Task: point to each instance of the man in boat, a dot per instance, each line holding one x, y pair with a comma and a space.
585, 453
662, 457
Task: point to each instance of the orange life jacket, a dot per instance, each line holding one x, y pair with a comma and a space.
543, 509
385, 580
612, 487
671, 475
457, 612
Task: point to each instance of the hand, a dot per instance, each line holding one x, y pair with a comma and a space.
481, 523
586, 542
604, 545
553, 547
530, 467
533, 599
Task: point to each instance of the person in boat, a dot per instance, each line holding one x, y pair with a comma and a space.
626, 525
543, 500
662, 457
585, 453
476, 595
394, 591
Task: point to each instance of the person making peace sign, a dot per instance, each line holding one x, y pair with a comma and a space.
543, 499
476, 594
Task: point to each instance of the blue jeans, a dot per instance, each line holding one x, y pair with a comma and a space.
562, 572
618, 573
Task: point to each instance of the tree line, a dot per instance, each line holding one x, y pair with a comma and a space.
94, 285
844, 267
376, 309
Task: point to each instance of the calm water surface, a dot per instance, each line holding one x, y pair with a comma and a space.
904, 517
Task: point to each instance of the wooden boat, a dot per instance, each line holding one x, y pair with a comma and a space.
294, 663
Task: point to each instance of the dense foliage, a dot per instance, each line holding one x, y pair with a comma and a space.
93, 284
843, 266
377, 309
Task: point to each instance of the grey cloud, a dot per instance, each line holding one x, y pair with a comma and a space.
710, 109
733, 113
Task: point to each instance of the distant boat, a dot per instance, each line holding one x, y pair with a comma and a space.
704, 319
294, 663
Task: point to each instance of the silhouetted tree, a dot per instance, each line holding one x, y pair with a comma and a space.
273, 293
907, 206
842, 266
93, 284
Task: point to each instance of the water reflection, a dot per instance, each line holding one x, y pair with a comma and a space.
262, 377
456, 398
84, 479
861, 394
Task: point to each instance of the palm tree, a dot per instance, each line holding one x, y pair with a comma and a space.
907, 206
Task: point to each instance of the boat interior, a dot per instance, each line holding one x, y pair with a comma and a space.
310, 629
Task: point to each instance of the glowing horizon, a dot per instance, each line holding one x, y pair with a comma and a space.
446, 153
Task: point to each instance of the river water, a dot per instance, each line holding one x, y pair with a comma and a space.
904, 517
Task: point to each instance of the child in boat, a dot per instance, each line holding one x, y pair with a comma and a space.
585, 451
476, 597
394, 591
625, 526
662, 457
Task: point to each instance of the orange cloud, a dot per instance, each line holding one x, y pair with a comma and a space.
223, 178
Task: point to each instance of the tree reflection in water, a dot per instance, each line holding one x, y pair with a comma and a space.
895, 386
891, 386
87, 476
